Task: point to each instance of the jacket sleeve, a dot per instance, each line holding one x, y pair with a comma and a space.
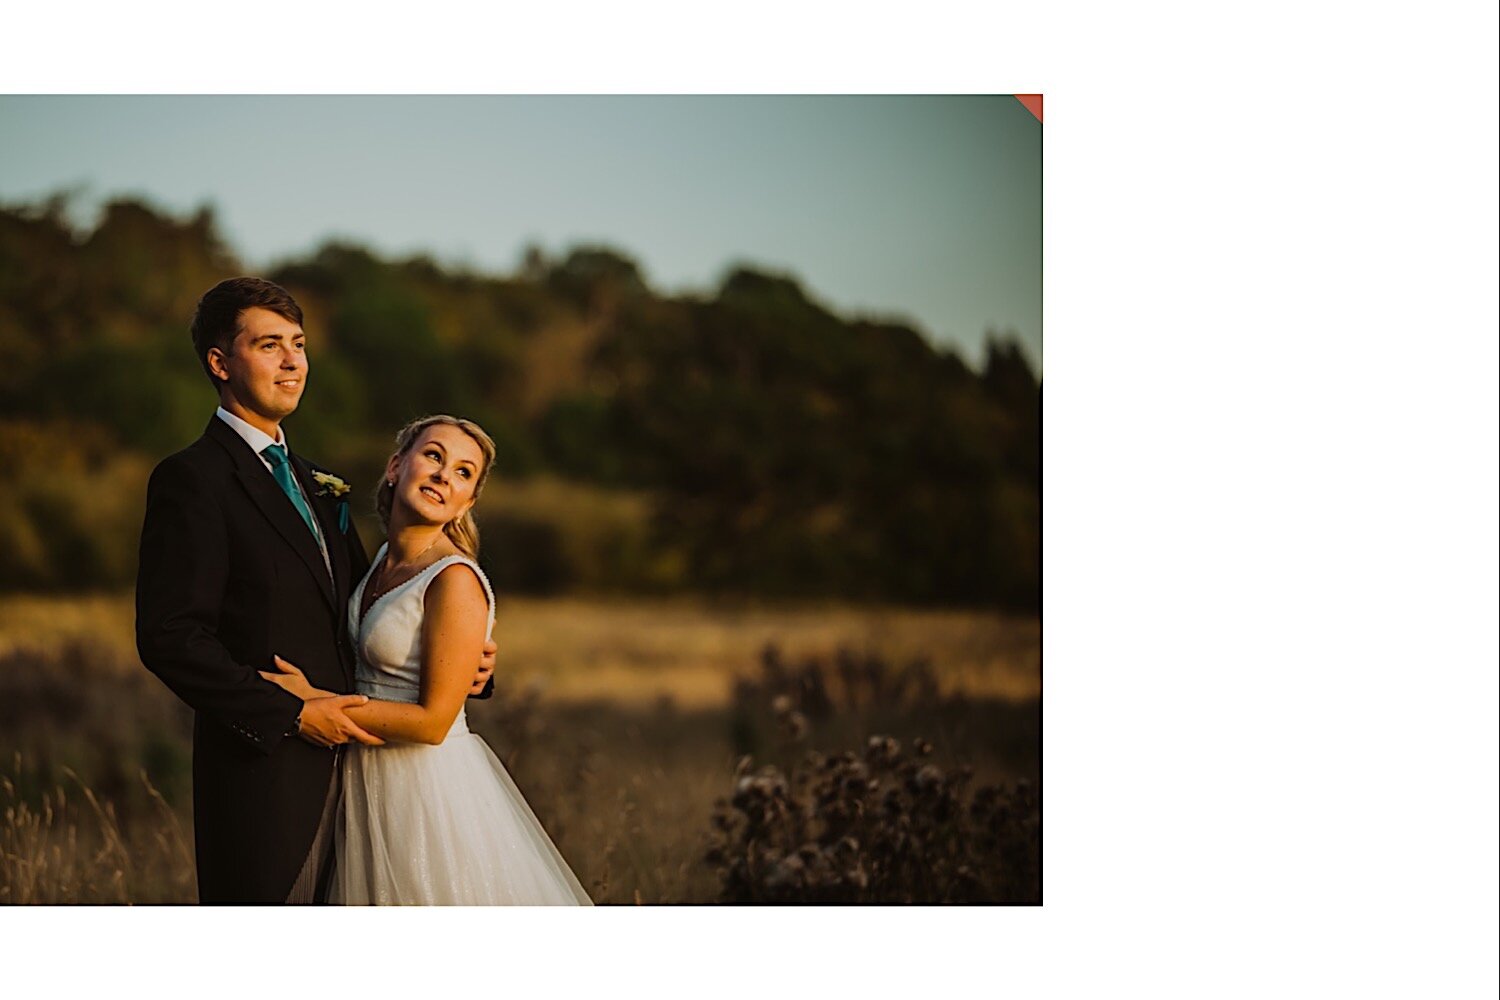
486, 691
179, 590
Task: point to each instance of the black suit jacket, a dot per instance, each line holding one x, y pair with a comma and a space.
230, 575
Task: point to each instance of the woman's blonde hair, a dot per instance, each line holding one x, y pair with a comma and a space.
461, 531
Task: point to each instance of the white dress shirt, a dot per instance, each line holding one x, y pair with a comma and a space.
259, 441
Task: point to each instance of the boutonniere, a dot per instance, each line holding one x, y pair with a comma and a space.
330, 485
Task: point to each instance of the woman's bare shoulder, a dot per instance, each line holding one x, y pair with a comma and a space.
460, 583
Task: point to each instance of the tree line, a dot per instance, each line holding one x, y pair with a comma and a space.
743, 441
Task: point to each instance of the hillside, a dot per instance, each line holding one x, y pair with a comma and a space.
742, 442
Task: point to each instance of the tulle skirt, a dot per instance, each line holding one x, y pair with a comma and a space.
442, 826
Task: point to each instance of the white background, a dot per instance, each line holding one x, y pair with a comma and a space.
1270, 498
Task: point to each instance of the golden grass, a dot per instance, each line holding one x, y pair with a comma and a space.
74, 850
636, 652
37, 621
631, 737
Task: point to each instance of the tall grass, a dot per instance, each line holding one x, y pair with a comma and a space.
623, 775
60, 849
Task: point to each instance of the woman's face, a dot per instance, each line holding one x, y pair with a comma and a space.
436, 477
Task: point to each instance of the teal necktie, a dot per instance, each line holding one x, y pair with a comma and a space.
281, 468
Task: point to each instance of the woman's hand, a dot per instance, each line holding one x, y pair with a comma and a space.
293, 680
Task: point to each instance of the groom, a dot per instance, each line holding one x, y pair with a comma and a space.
248, 552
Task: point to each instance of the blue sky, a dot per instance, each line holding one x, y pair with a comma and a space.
915, 207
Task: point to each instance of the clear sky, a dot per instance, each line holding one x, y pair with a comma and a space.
922, 208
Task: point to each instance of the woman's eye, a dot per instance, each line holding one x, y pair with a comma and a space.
465, 473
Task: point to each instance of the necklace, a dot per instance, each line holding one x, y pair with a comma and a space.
387, 573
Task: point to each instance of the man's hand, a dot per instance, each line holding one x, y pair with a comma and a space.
486, 667
325, 724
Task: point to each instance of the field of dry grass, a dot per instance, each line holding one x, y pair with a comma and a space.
638, 652
621, 721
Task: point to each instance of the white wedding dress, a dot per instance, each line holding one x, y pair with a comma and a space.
432, 825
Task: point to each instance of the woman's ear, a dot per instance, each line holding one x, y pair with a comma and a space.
391, 468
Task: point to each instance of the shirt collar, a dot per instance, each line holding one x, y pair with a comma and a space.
257, 439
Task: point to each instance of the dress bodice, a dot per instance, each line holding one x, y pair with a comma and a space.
388, 640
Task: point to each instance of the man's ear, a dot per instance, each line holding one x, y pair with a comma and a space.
216, 364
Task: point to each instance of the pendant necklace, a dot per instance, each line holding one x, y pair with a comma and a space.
406, 563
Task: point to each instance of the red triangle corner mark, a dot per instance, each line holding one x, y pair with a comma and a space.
1032, 103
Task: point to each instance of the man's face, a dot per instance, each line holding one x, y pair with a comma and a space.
265, 370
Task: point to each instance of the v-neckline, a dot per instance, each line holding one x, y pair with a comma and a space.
359, 624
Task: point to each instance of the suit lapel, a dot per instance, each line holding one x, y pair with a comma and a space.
338, 556
264, 491
323, 510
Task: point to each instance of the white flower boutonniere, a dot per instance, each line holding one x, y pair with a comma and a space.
330, 485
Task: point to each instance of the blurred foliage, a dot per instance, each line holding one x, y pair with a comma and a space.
895, 823
884, 826
748, 442
70, 516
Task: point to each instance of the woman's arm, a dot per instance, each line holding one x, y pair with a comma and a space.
454, 623
454, 626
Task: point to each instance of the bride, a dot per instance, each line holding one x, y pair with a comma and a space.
431, 817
